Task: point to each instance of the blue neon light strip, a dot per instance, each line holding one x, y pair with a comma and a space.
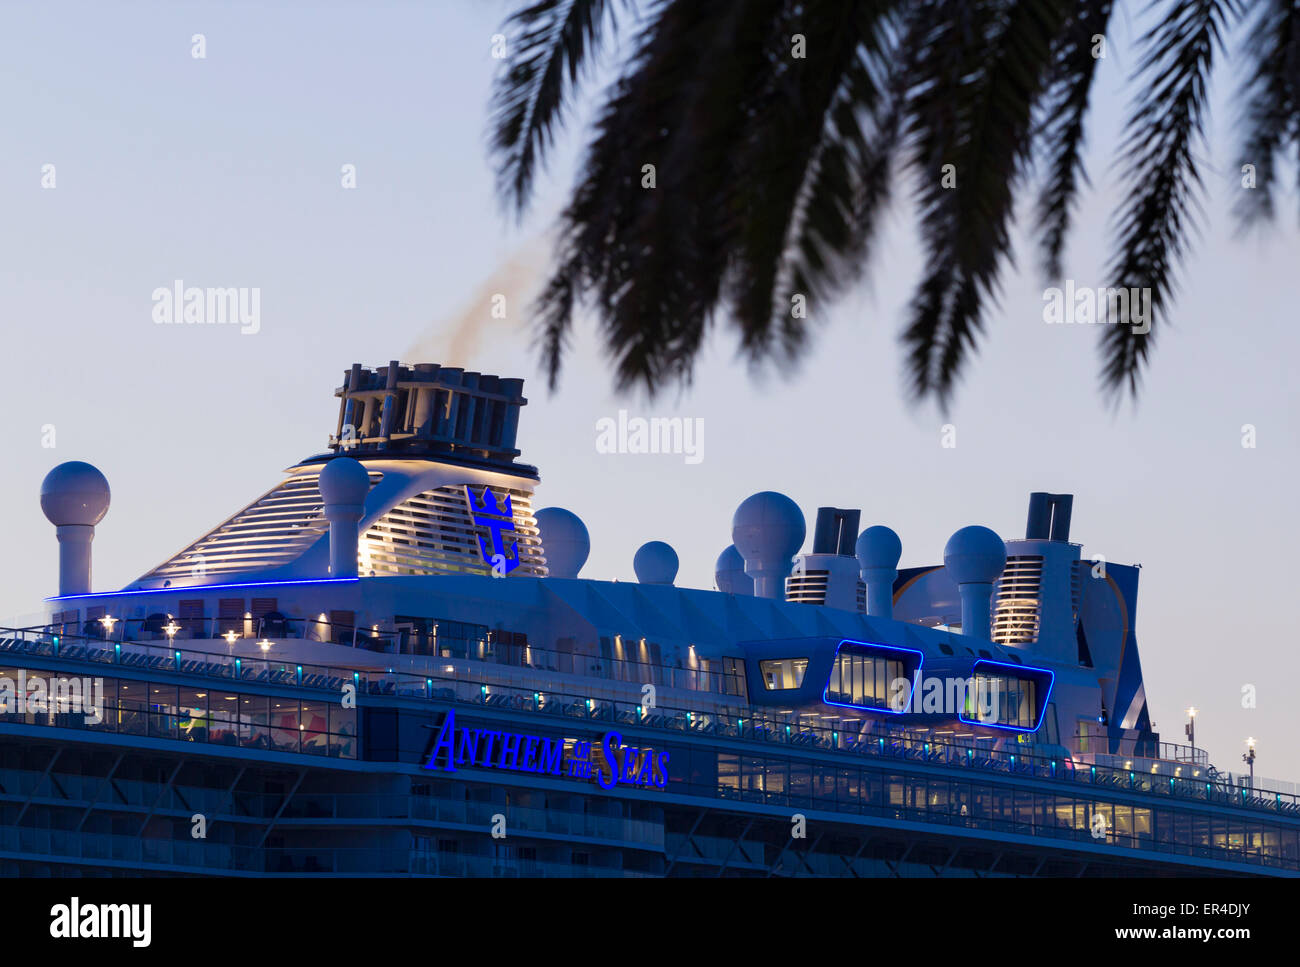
201, 587
920, 660
1019, 671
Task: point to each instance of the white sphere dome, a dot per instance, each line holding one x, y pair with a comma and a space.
729, 573
344, 481
975, 555
878, 547
655, 563
565, 541
768, 529
75, 493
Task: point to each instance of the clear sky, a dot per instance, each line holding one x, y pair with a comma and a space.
225, 171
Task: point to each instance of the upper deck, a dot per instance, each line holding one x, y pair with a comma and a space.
734, 756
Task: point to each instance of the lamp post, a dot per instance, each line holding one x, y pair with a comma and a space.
1190, 730
1249, 759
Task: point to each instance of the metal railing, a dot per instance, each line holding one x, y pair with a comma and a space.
150, 632
472, 682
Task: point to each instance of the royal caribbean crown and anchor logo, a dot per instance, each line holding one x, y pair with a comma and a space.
499, 521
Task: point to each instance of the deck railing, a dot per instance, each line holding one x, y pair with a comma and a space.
473, 682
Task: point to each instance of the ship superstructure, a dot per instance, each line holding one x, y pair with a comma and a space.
391, 632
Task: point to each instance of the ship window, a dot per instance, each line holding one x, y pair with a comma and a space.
191, 615
1004, 700
230, 615
342, 627
781, 673
863, 680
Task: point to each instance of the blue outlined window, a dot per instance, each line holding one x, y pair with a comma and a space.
871, 676
1006, 696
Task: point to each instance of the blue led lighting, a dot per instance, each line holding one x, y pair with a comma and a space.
1019, 672
920, 660
201, 587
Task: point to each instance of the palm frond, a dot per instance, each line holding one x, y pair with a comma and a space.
1065, 109
555, 39
815, 178
984, 71
1271, 93
1162, 136
652, 259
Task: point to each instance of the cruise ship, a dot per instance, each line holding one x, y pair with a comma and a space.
392, 663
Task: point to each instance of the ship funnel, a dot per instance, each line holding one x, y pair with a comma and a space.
74, 497
1049, 517
878, 552
835, 531
768, 529
344, 484
975, 557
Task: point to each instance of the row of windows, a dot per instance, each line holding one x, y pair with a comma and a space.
200, 714
257, 721
802, 784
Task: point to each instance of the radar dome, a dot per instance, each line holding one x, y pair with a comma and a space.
75, 493
975, 555
565, 541
729, 573
344, 481
878, 547
655, 563
768, 527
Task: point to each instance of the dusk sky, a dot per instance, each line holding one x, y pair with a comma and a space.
226, 171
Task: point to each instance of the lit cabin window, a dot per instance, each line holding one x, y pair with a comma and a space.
1005, 700
781, 673
865, 680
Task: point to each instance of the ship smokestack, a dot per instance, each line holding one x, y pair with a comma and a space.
1049, 517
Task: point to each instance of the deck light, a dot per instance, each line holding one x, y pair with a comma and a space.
265, 645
